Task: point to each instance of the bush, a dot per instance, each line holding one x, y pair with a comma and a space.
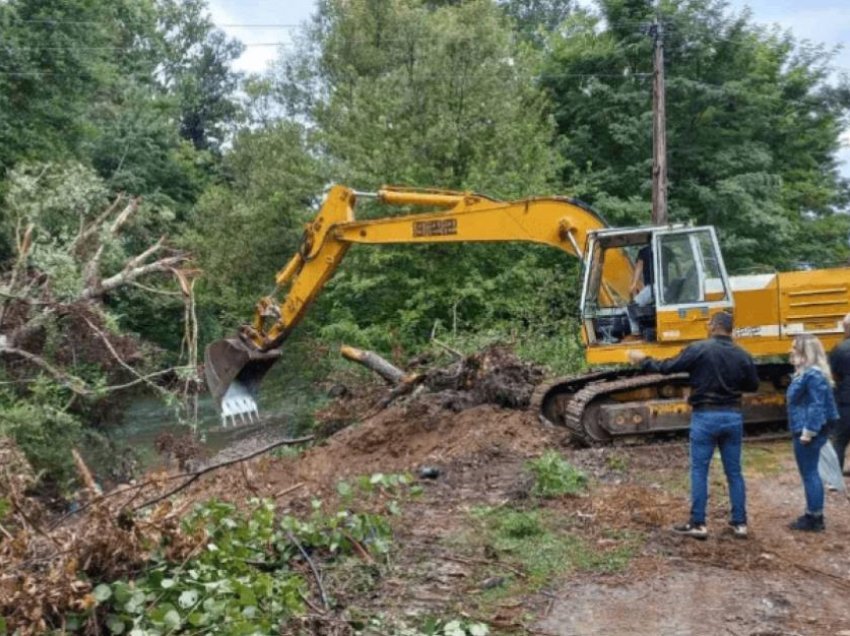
554, 476
44, 432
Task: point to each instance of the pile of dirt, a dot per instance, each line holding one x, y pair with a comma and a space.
492, 376
417, 434
474, 404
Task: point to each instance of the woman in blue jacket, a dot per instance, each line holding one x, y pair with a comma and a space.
811, 405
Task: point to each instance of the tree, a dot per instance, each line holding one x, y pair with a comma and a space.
246, 226
536, 18
752, 124
74, 249
196, 68
433, 96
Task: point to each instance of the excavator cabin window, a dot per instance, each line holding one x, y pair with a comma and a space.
690, 268
686, 270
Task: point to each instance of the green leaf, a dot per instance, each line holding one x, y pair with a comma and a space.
102, 593
167, 584
115, 624
344, 489
477, 629
187, 599
172, 619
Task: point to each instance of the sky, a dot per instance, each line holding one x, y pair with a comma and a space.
262, 25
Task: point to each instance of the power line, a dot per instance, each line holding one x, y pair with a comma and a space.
76, 49
256, 25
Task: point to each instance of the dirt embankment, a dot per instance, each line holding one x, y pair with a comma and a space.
775, 583
601, 563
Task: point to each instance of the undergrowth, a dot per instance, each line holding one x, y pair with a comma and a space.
554, 476
252, 571
545, 546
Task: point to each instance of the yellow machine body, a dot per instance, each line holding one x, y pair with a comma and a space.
690, 284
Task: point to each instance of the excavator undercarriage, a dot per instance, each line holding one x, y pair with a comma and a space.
622, 405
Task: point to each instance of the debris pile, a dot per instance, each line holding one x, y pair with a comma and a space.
47, 571
492, 376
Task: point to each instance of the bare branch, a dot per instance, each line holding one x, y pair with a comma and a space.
154, 290
142, 379
121, 361
129, 210
191, 477
27, 299
142, 257
90, 269
94, 226
128, 276
74, 383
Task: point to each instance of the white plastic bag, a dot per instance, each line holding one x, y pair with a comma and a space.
829, 468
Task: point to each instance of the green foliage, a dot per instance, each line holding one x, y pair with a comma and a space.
752, 126
240, 580
546, 547
233, 585
519, 525
44, 431
554, 476
336, 533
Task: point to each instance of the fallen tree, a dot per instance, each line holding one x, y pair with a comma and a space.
73, 246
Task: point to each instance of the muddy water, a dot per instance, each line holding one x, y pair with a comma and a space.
286, 408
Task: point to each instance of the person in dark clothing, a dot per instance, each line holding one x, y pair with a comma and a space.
839, 363
641, 286
720, 371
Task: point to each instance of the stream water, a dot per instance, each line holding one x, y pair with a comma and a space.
286, 409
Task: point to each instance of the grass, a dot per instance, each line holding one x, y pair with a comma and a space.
544, 546
764, 460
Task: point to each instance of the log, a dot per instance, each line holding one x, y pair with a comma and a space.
372, 361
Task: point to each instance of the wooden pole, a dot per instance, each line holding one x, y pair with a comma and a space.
659, 131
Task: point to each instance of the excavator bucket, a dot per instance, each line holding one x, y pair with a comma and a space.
233, 372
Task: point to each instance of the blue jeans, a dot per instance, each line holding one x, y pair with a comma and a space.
709, 430
808, 456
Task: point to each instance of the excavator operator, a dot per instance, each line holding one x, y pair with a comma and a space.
641, 294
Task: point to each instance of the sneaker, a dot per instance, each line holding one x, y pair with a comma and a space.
808, 523
695, 530
739, 530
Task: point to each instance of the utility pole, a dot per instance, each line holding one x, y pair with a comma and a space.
659, 129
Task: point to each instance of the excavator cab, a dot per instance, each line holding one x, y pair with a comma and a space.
688, 283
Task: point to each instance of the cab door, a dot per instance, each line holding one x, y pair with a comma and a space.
690, 282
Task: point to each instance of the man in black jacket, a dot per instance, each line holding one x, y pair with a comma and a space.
839, 361
720, 371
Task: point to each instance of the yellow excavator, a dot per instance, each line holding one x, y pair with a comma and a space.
688, 285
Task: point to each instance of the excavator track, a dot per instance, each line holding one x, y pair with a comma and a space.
583, 413
603, 406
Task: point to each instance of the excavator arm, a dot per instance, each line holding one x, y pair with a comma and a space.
235, 367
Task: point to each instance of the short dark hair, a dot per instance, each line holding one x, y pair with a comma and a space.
724, 320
